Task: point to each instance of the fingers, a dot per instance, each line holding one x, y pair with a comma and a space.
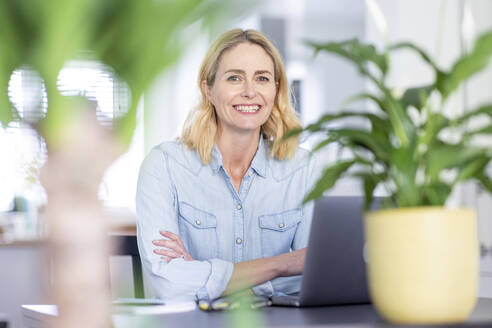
166, 243
168, 255
187, 257
172, 245
166, 252
169, 235
172, 236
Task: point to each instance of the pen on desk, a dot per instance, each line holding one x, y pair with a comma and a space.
220, 304
261, 304
204, 305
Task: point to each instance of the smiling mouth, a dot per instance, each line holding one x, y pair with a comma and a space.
247, 108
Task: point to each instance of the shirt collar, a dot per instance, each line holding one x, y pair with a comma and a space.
216, 162
258, 164
260, 160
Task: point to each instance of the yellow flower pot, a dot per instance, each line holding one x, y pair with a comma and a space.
423, 264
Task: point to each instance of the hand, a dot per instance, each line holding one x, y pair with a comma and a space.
174, 247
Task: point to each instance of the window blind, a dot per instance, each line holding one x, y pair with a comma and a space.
23, 151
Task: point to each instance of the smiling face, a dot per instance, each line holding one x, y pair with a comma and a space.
244, 89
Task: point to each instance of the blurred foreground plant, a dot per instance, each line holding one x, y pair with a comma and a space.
135, 39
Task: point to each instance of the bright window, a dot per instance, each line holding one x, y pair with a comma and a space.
23, 151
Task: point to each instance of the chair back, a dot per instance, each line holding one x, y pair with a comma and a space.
127, 245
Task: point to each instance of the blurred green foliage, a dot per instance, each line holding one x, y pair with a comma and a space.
403, 145
137, 39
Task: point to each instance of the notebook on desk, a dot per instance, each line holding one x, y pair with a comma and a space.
334, 269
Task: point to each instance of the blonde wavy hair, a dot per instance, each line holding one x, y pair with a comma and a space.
200, 128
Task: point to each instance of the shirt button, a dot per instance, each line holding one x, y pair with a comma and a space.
238, 206
239, 241
198, 222
250, 173
281, 225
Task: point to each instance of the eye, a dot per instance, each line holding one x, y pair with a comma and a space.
263, 78
234, 78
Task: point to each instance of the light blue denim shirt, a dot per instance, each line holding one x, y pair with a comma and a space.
218, 225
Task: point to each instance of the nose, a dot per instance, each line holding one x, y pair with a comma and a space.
249, 90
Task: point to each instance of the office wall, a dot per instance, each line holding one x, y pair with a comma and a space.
327, 79
440, 27
479, 91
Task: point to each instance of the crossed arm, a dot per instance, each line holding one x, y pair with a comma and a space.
246, 274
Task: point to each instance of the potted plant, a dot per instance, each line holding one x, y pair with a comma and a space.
423, 257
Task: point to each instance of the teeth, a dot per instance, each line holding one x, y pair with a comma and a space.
247, 108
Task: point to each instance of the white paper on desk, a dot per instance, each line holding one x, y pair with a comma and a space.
151, 306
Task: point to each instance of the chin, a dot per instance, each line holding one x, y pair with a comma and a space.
249, 127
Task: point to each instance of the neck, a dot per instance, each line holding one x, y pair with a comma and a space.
237, 151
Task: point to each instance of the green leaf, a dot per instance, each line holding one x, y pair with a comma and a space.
363, 96
5, 114
403, 172
5, 107
319, 125
485, 181
369, 186
434, 124
416, 97
365, 139
10, 54
466, 66
418, 50
125, 126
371, 181
472, 167
481, 131
330, 176
484, 109
292, 133
435, 194
353, 50
448, 156
400, 121
322, 144
380, 127
359, 54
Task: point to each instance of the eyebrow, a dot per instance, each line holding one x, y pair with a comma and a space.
240, 71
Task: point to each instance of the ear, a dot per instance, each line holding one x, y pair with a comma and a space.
206, 91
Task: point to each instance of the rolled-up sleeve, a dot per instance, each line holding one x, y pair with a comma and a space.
156, 204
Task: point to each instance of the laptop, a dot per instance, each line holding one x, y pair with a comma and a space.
334, 269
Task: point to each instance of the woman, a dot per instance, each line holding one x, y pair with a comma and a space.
227, 196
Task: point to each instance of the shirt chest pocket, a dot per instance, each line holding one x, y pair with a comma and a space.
278, 231
198, 230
